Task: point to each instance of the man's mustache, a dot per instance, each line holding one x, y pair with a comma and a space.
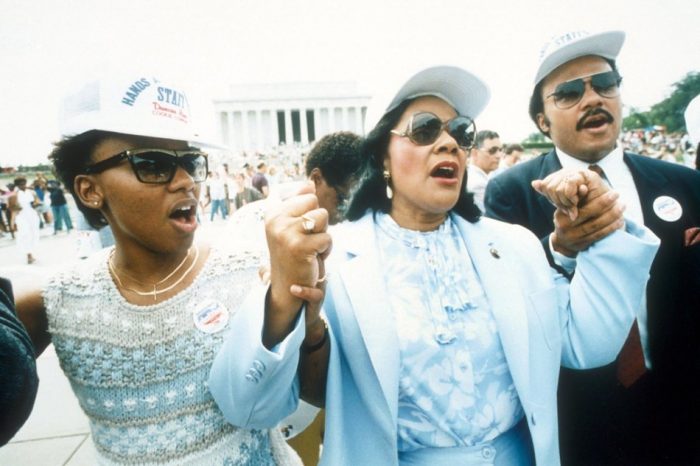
593, 112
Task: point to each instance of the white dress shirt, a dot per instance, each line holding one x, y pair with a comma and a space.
476, 183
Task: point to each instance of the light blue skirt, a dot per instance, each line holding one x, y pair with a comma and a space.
509, 449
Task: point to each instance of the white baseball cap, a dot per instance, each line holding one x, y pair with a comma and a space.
565, 47
692, 120
464, 91
135, 104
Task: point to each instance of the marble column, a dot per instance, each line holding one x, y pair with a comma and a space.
246, 130
345, 126
358, 121
304, 126
288, 133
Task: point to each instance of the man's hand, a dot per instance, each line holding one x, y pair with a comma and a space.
587, 210
595, 220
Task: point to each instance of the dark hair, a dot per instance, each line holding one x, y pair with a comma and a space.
337, 156
371, 189
70, 156
537, 101
482, 136
510, 148
20, 180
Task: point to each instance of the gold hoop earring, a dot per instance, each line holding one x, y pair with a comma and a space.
389, 191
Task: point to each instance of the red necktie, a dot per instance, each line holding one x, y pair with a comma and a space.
600, 172
630, 361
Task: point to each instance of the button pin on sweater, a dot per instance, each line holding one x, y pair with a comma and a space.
210, 316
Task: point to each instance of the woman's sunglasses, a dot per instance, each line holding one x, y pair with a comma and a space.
157, 166
569, 93
424, 128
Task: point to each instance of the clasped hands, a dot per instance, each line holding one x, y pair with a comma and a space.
298, 241
587, 210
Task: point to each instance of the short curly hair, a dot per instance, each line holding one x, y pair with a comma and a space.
70, 156
337, 156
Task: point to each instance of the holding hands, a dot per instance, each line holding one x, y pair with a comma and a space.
298, 245
587, 209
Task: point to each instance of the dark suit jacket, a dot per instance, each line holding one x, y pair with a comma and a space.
18, 378
657, 420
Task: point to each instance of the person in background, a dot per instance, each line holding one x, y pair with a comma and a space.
25, 219
136, 326
5, 193
18, 377
40, 186
249, 171
445, 331
216, 195
244, 195
484, 158
259, 180
639, 409
513, 153
333, 165
59, 207
692, 125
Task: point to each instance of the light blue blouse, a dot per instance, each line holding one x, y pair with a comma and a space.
455, 387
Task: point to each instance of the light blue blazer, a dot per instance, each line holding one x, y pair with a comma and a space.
543, 322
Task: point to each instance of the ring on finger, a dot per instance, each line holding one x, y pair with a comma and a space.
322, 279
308, 223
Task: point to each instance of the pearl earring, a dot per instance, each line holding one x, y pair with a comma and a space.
387, 177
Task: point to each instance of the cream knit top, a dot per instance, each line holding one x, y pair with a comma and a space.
140, 372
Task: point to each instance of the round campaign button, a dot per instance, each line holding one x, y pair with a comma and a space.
667, 208
210, 316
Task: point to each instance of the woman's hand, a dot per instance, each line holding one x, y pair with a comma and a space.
587, 209
566, 188
298, 244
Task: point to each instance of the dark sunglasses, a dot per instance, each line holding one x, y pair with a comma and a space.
424, 128
569, 93
493, 150
157, 166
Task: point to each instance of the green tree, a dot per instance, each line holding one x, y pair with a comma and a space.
668, 112
635, 120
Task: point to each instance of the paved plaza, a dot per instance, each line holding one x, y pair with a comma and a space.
57, 432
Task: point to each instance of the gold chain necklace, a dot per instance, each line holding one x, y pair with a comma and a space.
155, 291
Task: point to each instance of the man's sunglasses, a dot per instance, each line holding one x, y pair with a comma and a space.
424, 128
569, 93
157, 166
493, 150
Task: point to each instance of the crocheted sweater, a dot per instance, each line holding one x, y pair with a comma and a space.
140, 372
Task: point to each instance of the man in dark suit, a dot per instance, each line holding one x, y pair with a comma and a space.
642, 409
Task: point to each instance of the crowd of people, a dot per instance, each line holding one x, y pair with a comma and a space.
444, 298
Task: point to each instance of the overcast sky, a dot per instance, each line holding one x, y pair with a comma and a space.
47, 46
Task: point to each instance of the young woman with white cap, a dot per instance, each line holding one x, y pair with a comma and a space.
445, 331
136, 326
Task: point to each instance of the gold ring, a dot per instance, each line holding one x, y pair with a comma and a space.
308, 224
322, 279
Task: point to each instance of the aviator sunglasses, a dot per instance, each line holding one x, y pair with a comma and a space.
424, 128
157, 166
569, 93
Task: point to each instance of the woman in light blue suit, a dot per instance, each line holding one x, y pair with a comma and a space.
445, 331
